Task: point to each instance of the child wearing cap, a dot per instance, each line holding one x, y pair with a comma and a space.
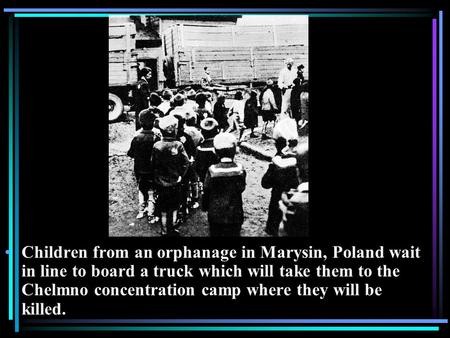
236, 113
206, 155
170, 164
282, 173
197, 137
251, 111
220, 113
202, 110
224, 184
191, 150
294, 203
180, 107
167, 96
141, 151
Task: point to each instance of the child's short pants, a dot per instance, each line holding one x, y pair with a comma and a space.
169, 198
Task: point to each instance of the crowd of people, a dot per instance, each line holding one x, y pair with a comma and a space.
184, 150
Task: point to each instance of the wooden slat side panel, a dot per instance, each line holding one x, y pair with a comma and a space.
229, 64
239, 36
121, 44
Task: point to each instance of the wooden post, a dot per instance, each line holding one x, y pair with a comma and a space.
252, 62
127, 37
233, 36
274, 31
181, 36
190, 71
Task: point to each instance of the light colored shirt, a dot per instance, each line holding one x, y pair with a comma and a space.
192, 104
268, 100
164, 107
238, 108
286, 77
195, 134
184, 111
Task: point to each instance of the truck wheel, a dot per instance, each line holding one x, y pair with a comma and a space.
115, 107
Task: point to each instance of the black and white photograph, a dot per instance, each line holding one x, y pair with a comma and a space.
208, 126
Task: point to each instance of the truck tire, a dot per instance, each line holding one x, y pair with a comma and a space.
115, 107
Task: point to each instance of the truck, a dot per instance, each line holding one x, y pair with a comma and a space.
123, 66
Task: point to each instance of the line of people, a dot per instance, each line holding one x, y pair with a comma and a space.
183, 151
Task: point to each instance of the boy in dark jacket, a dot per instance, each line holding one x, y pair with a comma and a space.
282, 174
294, 203
141, 151
170, 164
206, 155
222, 194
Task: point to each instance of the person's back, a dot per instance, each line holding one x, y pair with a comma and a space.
220, 113
304, 101
164, 107
195, 135
222, 193
170, 164
141, 149
224, 184
205, 157
170, 161
295, 100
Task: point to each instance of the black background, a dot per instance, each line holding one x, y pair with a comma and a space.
370, 158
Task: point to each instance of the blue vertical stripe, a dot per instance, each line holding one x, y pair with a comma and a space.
16, 175
10, 170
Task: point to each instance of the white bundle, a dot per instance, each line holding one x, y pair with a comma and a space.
286, 128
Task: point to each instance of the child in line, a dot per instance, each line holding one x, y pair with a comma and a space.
220, 113
170, 164
141, 151
282, 173
206, 155
224, 184
251, 111
294, 204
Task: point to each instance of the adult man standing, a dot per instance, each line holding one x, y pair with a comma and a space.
285, 83
142, 93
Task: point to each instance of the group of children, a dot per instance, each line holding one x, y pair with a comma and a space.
184, 156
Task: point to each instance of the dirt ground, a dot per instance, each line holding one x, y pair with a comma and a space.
123, 203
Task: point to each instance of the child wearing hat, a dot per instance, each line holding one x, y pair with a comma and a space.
236, 113
141, 151
170, 164
206, 155
202, 110
294, 203
224, 184
282, 173
191, 150
251, 111
165, 105
180, 107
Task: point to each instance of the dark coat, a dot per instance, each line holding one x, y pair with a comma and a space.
279, 179
141, 96
222, 193
251, 113
188, 143
141, 151
220, 115
169, 161
205, 158
296, 103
